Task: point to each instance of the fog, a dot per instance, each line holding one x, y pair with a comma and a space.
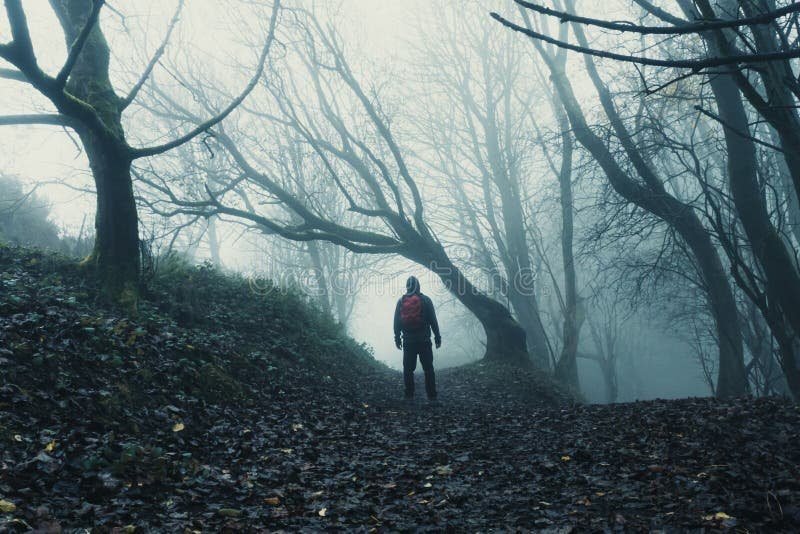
390, 139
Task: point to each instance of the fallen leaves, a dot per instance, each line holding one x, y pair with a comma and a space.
721, 519
444, 470
7, 507
719, 516
97, 409
229, 512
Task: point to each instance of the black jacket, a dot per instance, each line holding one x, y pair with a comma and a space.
422, 333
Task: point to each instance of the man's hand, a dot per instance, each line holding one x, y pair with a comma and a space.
398, 343
438, 342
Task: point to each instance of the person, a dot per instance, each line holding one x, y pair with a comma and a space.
415, 318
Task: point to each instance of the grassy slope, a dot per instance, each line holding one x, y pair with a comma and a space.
87, 393
198, 334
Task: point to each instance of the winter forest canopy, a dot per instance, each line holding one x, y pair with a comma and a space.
601, 198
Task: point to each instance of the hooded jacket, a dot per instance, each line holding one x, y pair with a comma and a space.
429, 322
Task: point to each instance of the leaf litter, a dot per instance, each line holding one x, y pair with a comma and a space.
239, 419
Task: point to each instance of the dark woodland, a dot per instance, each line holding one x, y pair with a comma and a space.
373, 266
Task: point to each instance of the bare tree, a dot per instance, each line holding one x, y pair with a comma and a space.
318, 102
649, 193
86, 101
481, 137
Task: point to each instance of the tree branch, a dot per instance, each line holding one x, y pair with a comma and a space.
159, 149
13, 74
20, 54
154, 60
730, 128
77, 46
694, 64
370, 246
53, 119
20, 49
694, 27
660, 13
382, 128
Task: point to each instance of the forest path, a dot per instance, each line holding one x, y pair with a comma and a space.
316, 459
689, 463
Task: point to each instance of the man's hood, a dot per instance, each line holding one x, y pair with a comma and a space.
412, 285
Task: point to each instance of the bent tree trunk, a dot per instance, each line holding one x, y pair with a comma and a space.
505, 338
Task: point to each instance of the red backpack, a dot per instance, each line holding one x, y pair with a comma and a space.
411, 312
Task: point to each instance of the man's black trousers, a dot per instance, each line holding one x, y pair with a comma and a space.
424, 350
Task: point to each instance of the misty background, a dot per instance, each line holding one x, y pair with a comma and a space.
389, 45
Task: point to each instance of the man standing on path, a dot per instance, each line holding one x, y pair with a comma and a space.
415, 318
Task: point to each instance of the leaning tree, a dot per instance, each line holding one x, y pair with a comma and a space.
645, 188
315, 101
750, 54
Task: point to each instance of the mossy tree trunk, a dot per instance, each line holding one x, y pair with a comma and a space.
116, 254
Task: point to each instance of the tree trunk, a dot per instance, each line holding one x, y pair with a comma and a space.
523, 300
116, 254
609, 371
732, 378
342, 308
653, 198
213, 242
505, 338
787, 348
786, 186
319, 274
567, 367
521, 276
517, 261
769, 249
